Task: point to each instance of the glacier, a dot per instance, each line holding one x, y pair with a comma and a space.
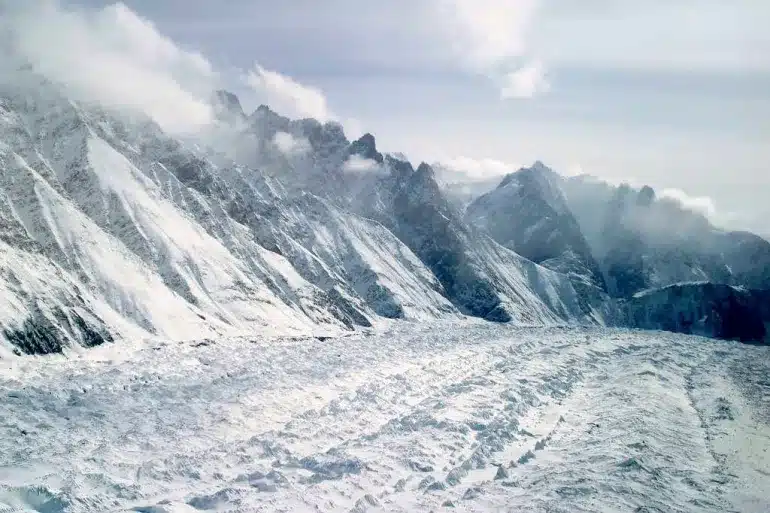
440, 416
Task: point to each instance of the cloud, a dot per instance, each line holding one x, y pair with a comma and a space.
287, 96
525, 82
574, 169
354, 128
490, 31
491, 37
465, 169
465, 178
290, 145
701, 204
111, 56
359, 164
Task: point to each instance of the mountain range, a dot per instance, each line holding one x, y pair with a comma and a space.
111, 228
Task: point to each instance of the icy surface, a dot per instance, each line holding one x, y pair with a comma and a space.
424, 417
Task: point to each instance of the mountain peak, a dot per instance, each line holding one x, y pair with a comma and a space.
646, 196
267, 122
538, 169
425, 169
366, 147
227, 104
367, 139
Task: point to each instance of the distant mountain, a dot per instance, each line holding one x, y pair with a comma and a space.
628, 242
111, 229
642, 241
528, 214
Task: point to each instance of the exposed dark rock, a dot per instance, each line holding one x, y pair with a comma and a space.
36, 335
367, 148
711, 310
346, 311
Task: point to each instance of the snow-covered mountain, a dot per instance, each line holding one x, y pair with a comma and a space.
528, 213
643, 241
111, 228
667, 267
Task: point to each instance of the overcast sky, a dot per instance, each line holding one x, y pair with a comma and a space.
671, 93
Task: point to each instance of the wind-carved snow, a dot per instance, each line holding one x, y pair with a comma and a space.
423, 417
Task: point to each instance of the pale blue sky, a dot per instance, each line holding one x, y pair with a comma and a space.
674, 93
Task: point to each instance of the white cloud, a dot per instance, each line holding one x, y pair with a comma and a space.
490, 31
358, 164
465, 169
287, 96
525, 82
290, 145
354, 128
701, 204
575, 169
491, 37
114, 57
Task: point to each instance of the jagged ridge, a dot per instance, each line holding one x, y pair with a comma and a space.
111, 228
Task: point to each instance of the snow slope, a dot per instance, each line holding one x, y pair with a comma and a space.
109, 229
423, 417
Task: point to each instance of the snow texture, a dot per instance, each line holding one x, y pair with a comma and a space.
466, 416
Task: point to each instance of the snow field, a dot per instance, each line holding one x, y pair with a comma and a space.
423, 417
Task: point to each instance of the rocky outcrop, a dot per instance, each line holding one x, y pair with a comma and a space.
366, 147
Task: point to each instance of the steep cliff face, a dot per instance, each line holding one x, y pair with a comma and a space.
707, 309
528, 214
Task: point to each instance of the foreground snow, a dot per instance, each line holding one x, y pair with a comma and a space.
422, 418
